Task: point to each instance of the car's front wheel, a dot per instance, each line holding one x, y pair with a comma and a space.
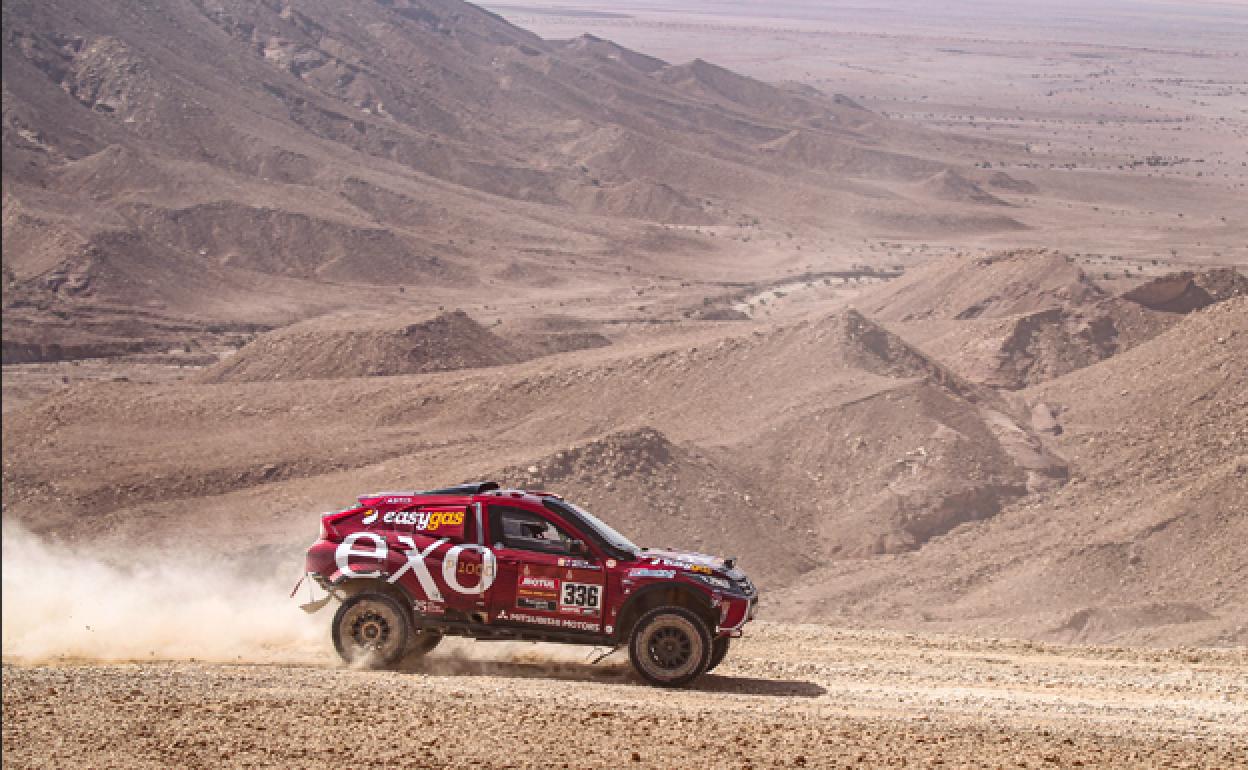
719, 650
670, 646
372, 630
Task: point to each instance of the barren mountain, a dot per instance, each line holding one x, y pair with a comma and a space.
871, 446
235, 162
335, 347
1141, 545
1020, 318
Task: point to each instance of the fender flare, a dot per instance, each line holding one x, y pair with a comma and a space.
700, 599
382, 579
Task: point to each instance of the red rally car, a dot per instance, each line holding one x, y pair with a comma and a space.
487, 563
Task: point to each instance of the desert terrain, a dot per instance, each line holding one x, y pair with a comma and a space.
934, 315
792, 696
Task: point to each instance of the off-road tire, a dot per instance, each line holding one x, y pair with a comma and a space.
670, 646
719, 649
372, 629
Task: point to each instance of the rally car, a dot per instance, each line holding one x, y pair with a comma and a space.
483, 562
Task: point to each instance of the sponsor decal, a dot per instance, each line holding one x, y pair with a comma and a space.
611, 563
542, 588
578, 564
679, 564
540, 605
371, 518
549, 584
541, 620
666, 574
450, 568
393, 500
537, 592
426, 521
428, 608
353, 547
350, 546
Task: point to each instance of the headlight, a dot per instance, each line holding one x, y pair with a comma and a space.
718, 582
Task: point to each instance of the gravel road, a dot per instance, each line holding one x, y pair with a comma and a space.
787, 696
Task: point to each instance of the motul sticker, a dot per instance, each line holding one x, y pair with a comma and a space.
537, 592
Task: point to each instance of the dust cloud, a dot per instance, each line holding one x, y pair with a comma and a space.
65, 602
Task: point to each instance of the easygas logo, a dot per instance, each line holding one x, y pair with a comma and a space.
425, 521
370, 519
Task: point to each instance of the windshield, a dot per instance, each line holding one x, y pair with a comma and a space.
604, 530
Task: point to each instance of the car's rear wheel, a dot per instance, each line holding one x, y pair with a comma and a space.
670, 646
719, 649
372, 630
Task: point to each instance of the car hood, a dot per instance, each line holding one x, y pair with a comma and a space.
685, 560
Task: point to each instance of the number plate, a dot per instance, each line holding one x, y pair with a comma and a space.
581, 596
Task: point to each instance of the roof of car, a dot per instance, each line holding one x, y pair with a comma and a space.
464, 491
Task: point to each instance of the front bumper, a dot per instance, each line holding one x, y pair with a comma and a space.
734, 613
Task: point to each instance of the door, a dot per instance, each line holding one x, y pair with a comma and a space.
541, 582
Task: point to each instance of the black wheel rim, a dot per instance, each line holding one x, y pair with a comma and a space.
370, 630
670, 648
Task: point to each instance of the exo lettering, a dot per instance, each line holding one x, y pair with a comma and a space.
416, 563
346, 549
450, 568
351, 546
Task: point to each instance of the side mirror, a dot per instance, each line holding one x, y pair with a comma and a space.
577, 547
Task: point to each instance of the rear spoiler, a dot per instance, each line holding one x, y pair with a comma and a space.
469, 488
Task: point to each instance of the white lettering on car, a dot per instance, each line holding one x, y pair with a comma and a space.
450, 568
542, 620
346, 549
416, 563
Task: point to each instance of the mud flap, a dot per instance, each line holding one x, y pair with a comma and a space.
312, 604
310, 607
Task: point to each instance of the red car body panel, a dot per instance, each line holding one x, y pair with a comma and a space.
447, 555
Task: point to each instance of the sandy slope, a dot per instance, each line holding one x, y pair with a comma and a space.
795, 696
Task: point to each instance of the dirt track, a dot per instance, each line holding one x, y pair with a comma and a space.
808, 696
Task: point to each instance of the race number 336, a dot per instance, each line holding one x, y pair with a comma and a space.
581, 595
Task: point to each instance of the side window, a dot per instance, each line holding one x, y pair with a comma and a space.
526, 531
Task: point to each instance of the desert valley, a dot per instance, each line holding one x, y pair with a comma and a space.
934, 315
